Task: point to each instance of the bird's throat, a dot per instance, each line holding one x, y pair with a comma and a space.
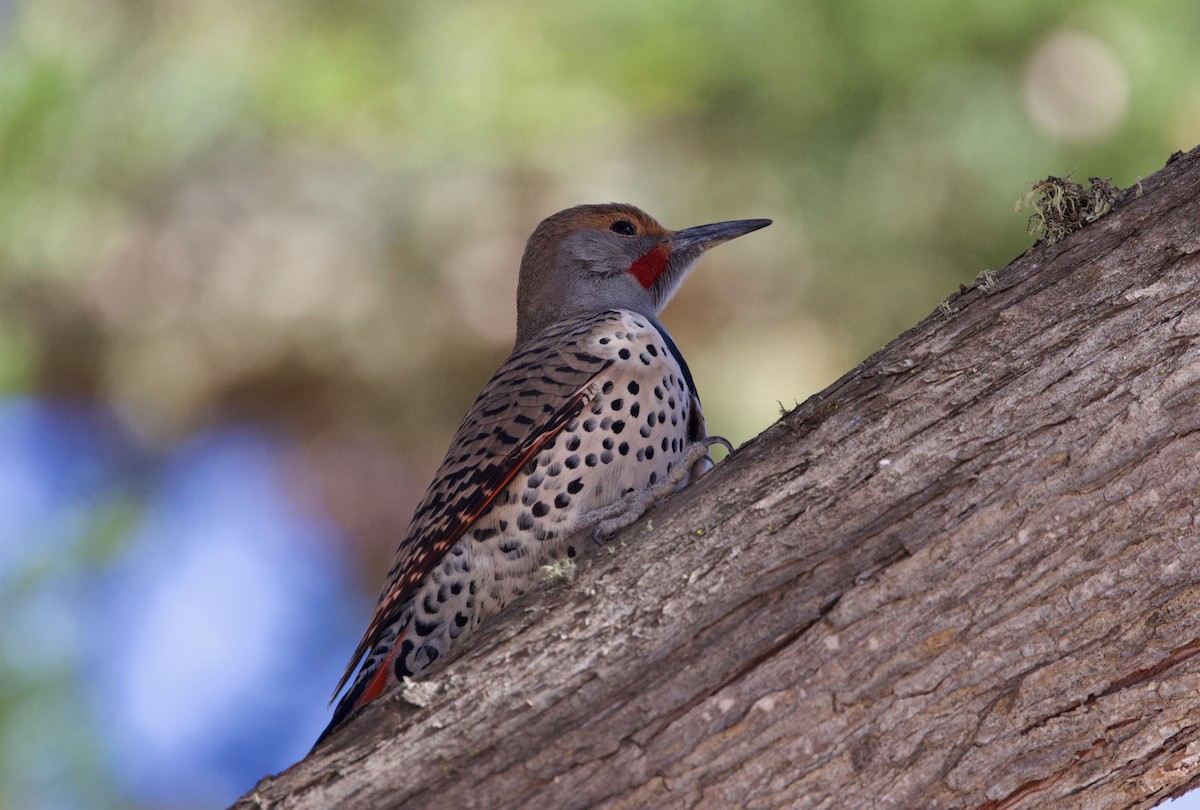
650, 266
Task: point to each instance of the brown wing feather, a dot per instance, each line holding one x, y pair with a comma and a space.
528, 401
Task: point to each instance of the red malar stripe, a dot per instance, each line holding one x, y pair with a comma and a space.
648, 268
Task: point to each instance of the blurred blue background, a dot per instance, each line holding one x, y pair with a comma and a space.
257, 258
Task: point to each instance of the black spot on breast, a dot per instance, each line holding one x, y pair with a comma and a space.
623, 448
645, 358
572, 443
633, 387
618, 426
634, 410
590, 459
623, 354
658, 393
460, 620
665, 444
649, 453
589, 424
608, 442
606, 457
646, 430
484, 533
540, 509
653, 478
652, 418
617, 404
561, 501
572, 462
406, 648
570, 551
456, 588
608, 387
575, 487
525, 521
554, 470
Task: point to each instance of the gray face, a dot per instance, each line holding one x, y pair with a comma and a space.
593, 270
598, 257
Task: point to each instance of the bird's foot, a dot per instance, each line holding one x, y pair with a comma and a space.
633, 504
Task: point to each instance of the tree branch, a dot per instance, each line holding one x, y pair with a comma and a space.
965, 575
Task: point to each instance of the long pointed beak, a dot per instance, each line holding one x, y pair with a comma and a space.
706, 236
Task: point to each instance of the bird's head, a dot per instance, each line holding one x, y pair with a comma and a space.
613, 256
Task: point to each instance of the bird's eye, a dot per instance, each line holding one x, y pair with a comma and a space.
623, 227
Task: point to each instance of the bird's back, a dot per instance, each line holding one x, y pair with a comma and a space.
592, 408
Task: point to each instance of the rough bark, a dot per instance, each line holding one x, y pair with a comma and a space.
967, 574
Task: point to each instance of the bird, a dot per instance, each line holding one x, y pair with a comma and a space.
591, 420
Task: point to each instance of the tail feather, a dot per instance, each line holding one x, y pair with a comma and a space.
369, 684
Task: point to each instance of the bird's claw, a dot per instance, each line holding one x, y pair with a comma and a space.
632, 505
721, 440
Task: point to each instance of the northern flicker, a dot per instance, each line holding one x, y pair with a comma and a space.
592, 419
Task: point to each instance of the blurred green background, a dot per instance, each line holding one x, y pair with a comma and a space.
256, 259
